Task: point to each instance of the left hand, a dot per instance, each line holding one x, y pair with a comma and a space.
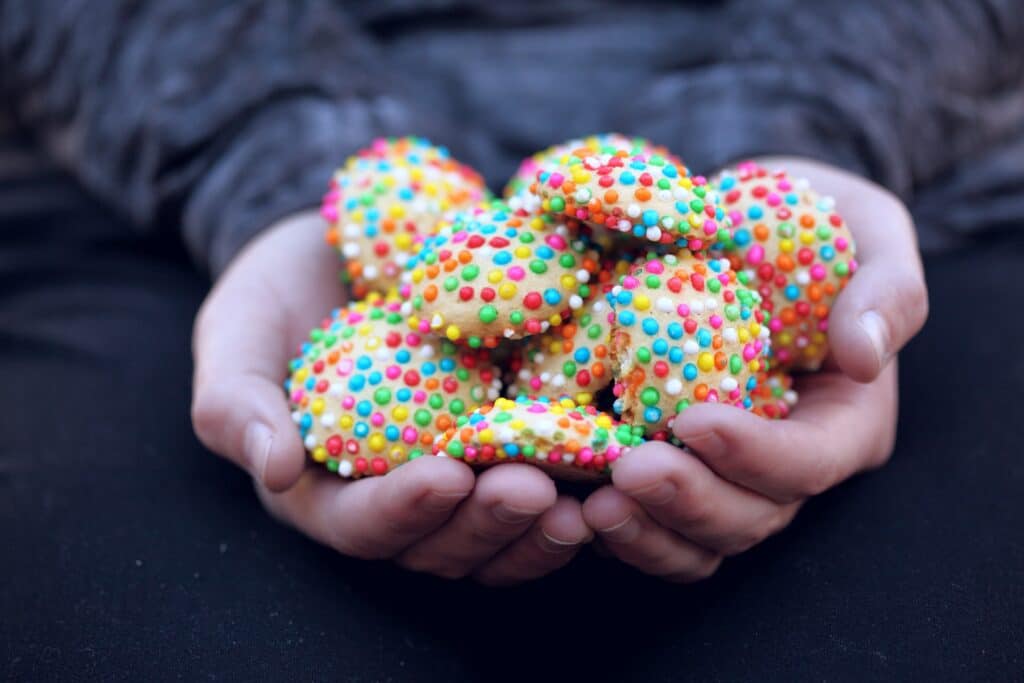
675, 513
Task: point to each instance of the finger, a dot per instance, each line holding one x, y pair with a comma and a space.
636, 539
376, 517
506, 501
245, 335
682, 493
838, 428
552, 541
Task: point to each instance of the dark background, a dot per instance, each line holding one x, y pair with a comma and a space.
129, 552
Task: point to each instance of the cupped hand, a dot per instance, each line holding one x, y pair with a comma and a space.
676, 513
432, 514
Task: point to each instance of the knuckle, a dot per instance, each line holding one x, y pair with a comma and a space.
694, 505
209, 412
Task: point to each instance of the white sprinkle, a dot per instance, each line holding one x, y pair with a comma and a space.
673, 387
633, 210
665, 304
729, 384
803, 277
345, 468
730, 335
327, 419
575, 301
654, 233
350, 250
310, 441
437, 321
690, 347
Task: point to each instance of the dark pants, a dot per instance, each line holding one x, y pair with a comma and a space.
131, 552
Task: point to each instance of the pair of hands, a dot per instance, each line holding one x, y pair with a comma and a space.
670, 512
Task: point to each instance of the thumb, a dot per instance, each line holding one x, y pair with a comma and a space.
886, 302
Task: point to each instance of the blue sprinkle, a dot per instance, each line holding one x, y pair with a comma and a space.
676, 355
582, 355
552, 296
675, 330
626, 318
690, 372
650, 326
627, 178
364, 408
792, 292
660, 346
356, 382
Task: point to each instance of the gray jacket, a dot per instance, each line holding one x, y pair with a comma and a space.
219, 117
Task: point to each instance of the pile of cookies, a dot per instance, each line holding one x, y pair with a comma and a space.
567, 323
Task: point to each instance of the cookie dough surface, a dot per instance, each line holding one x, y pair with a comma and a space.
368, 394
570, 441
684, 331
386, 199
791, 245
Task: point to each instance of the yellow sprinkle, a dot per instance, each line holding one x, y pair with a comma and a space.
317, 407
807, 237
522, 251
301, 374
495, 276
320, 454
604, 422
705, 361
453, 332
397, 454
568, 281
507, 290
641, 302
504, 404
403, 241
377, 442
786, 245
396, 211
516, 424
372, 343
743, 335
417, 275
400, 413
345, 422
485, 436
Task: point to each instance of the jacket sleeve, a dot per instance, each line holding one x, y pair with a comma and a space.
215, 118
899, 91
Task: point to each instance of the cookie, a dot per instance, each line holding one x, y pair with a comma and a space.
684, 331
517, 190
368, 394
567, 440
651, 198
792, 246
572, 359
497, 275
386, 199
774, 395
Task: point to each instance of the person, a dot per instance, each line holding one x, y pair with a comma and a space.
222, 123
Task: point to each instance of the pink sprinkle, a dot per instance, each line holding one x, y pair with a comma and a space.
683, 310
409, 435
841, 243
630, 282
785, 185
710, 227
736, 217
823, 325
556, 241
538, 408
586, 455
481, 425
716, 321
329, 212
516, 273
775, 325
420, 396
612, 454
470, 453
297, 396
377, 419
655, 267
555, 179
818, 272
393, 372
345, 367
755, 255
773, 199
413, 339
749, 352
348, 402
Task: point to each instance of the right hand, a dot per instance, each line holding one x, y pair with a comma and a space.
433, 514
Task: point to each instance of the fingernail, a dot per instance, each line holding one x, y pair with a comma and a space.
623, 532
439, 501
877, 331
556, 546
659, 494
511, 515
706, 443
258, 440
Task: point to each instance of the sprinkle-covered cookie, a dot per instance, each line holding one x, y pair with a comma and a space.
496, 276
649, 198
385, 199
570, 441
517, 190
684, 331
572, 359
774, 396
792, 246
368, 394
